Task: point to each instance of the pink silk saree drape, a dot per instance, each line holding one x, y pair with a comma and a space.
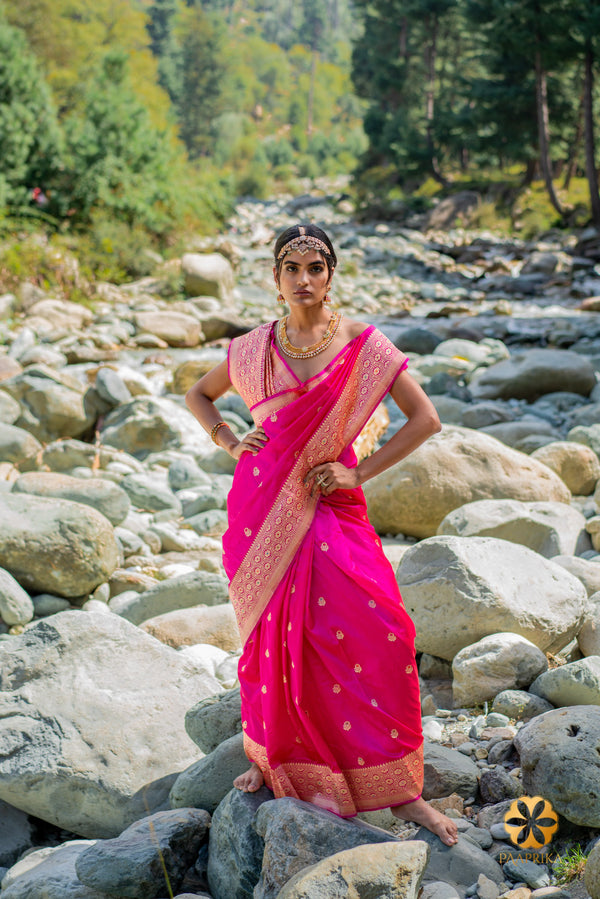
330, 697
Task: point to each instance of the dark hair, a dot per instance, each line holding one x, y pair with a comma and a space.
308, 231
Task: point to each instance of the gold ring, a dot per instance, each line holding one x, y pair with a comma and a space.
320, 478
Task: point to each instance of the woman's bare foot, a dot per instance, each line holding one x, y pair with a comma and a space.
422, 813
251, 780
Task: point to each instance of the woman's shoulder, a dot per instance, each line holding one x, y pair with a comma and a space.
353, 328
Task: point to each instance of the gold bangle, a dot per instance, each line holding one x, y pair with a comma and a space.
215, 429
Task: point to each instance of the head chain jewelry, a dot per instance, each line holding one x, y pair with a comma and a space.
303, 244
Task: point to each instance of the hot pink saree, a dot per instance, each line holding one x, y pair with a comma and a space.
330, 696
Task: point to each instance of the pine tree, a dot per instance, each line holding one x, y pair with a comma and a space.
203, 86
119, 161
30, 139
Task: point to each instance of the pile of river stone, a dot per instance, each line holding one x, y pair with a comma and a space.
120, 728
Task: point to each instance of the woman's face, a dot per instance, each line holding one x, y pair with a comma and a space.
303, 279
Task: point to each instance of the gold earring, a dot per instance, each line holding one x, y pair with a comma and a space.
280, 299
327, 299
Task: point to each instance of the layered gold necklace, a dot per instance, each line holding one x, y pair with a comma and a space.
305, 352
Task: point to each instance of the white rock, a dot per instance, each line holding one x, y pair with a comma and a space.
460, 589
495, 663
548, 528
94, 737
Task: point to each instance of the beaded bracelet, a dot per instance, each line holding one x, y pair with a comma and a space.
213, 433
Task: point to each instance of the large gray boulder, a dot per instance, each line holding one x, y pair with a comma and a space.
459, 865
215, 719
448, 771
520, 704
235, 848
55, 545
298, 834
149, 855
550, 529
152, 424
93, 738
577, 683
452, 468
560, 761
385, 871
529, 374
206, 783
53, 404
493, 664
101, 494
208, 274
460, 589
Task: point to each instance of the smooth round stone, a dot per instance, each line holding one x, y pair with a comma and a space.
495, 719
46, 604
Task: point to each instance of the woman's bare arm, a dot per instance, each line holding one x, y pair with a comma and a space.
200, 400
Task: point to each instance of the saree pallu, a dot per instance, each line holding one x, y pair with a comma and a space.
329, 685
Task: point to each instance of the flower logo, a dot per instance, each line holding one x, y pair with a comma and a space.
531, 822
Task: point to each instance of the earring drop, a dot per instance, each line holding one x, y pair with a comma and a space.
327, 299
280, 299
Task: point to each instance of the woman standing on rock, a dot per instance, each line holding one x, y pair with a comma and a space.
330, 695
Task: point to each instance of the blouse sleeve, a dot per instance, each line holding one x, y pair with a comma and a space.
399, 361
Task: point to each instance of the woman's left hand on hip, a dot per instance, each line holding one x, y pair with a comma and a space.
330, 476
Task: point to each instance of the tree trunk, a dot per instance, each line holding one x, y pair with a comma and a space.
541, 97
530, 171
576, 147
430, 57
590, 146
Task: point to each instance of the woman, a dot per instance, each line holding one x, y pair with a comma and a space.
329, 684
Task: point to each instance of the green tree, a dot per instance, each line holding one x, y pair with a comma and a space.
165, 46
525, 40
396, 66
119, 161
30, 139
203, 85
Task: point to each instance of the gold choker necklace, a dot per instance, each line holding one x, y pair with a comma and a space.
305, 352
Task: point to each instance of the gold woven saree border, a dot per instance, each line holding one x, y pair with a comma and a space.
345, 792
284, 528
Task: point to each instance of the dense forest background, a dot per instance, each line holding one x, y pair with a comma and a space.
156, 115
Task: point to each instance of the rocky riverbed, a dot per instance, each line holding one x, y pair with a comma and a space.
120, 729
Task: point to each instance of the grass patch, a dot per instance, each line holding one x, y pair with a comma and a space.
570, 866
